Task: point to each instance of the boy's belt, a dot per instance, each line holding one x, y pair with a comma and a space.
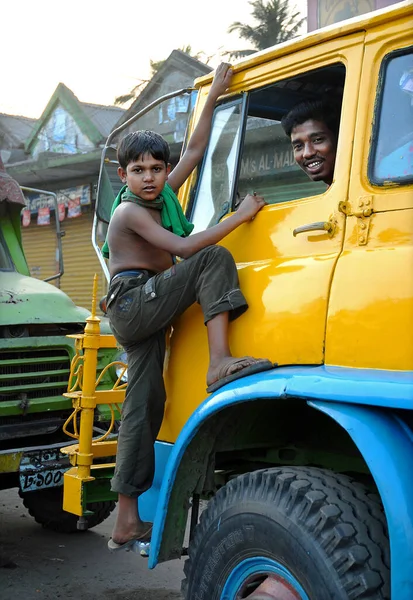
133, 273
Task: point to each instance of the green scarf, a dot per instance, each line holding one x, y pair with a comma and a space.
172, 216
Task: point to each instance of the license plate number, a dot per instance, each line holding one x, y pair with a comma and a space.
38, 481
42, 469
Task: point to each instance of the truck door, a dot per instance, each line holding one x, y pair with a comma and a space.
287, 255
370, 320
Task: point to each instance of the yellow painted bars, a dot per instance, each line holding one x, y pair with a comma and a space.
85, 398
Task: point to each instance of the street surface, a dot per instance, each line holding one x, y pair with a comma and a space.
36, 564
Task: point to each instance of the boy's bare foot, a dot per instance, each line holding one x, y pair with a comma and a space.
137, 532
227, 366
231, 368
129, 527
142, 533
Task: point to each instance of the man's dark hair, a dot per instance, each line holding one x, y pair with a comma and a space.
326, 111
136, 144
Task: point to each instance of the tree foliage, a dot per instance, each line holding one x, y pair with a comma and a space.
276, 22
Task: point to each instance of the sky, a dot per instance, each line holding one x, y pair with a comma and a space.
101, 49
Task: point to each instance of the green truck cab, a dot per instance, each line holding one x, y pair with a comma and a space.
36, 319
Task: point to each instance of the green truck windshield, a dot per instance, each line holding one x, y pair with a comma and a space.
6, 263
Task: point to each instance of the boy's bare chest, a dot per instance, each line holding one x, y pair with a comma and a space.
156, 215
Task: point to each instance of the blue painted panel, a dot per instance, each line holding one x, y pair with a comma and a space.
327, 383
148, 502
362, 386
388, 451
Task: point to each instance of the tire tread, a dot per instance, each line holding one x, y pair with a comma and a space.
338, 512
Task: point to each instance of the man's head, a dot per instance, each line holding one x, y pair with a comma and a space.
143, 157
312, 127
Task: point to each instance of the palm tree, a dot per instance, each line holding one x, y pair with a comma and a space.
276, 23
155, 66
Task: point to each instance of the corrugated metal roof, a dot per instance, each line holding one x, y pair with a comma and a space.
17, 126
103, 117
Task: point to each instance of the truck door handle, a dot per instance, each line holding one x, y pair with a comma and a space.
327, 226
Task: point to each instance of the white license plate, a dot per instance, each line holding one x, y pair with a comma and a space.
40, 469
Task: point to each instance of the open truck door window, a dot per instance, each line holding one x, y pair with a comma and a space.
267, 159
249, 151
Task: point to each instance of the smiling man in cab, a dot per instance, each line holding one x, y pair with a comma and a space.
312, 127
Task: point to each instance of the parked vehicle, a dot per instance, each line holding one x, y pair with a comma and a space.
307, 468
35, 356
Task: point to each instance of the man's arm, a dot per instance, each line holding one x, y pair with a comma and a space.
199, 139
139, 221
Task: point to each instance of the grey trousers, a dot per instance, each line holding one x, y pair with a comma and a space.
140, 309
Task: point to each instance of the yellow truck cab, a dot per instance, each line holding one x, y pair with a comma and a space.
307, 468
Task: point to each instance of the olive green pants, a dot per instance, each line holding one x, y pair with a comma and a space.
141, 306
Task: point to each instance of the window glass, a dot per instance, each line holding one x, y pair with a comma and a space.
249, 150
215, 189
5, 260
267, 159
268, 165
391, 158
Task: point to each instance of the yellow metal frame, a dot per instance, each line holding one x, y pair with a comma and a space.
85, 397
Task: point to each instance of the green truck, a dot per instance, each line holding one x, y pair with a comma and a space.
35, 361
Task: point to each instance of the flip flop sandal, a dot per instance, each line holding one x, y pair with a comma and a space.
256, 367
145, 539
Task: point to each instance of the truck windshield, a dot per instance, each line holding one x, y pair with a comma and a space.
6, 263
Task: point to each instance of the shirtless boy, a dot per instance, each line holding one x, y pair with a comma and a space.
149, 290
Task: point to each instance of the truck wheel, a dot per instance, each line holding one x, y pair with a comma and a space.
45, 506
291, 533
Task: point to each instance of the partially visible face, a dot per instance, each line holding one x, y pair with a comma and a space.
145, 177
315, 147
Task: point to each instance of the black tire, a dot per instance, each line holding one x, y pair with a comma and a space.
327, 530
46, 507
